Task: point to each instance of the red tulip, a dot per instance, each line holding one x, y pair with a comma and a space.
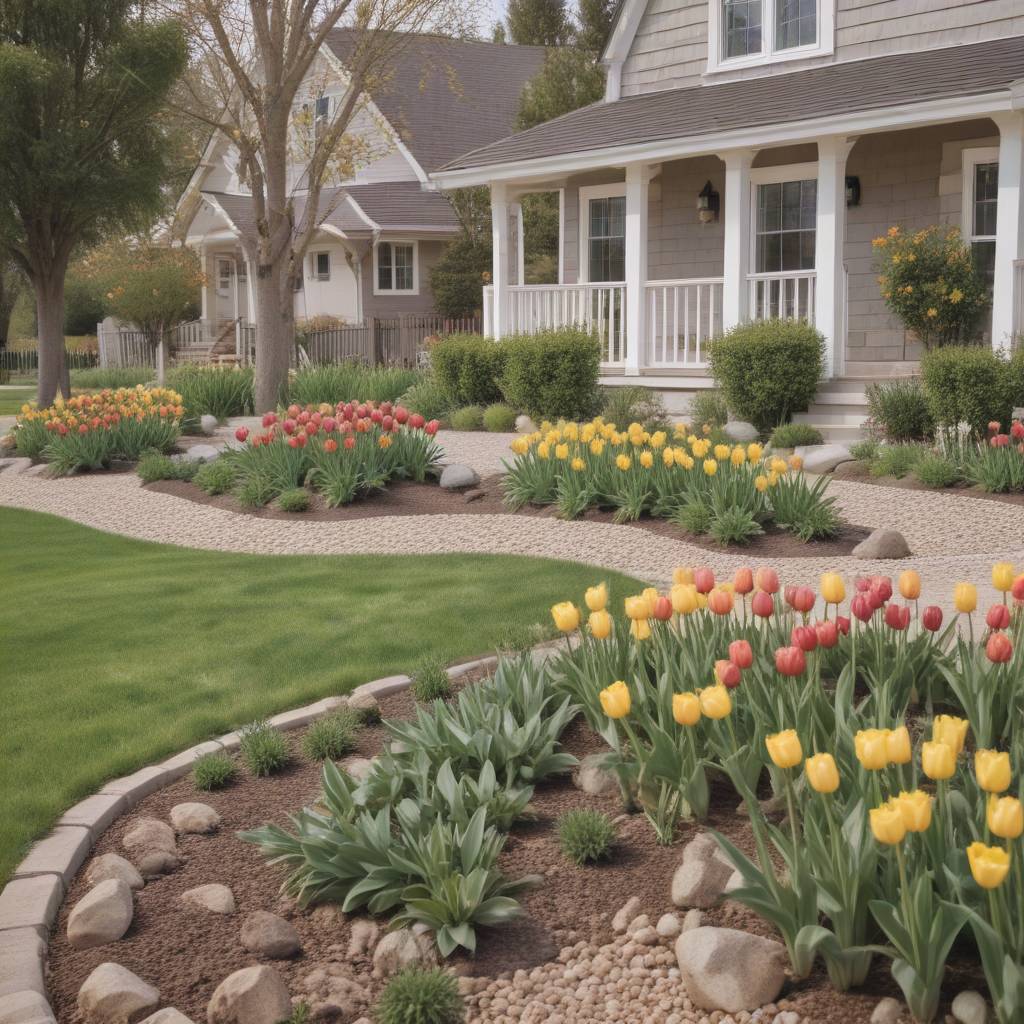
345, 426
763, 604
350, 442
993, 426
83, 429
741, 654
863, 584
387, 424
727, 673
330, 445
401, 413
790, 661
897, 616
362, 411
385, 408
362, 426
883, 586
828, 633
998, 617
301, 439
293, 441
843, 624
804, 637
241, 434
931, 618
330, 425
789, 593
269, 419
743, 581
311, 428
999, 649
767, 580
416, 421
293, 411
719, 601
1018, 588
316, 418
803, 599
349, 410
862, 607
662, 610
703, 580
376, 416
288, 426
1000, 440
432, 427
875, 598
1017, 430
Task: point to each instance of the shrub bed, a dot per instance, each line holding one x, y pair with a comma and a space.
899, 410
468, 368
970, 385
351, 381
219, 391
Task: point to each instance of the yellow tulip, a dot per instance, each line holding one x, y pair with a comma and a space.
596, 446
822, 773
520, 446
668, 458
887, 824
754, 452
870, 746
1002, 576
640, 629
638, 607
650, 595
965, 597
615, 700
910, 585
682, 574
646, 460
833, 589
992, 769
566, 616
777, 465
710, 467
715, 701
1005, 817
897, 745
796, 463
543, 450
989, 864
938, 760
686, 708
623, 462
596, 598
578, 465
684, 598
916, 809
761, 482
600, 624
950, 730
562, 452
784, 748
738, 457
722, 452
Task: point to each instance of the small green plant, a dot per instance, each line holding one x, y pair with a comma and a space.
217, 477
219, 391
499, 418
430, 681
154, 466
213, 771
348, 381
899, 410
734, 526
428, 398
633, 404
585, 836
866, 450
421, 996
264, 749
518, 638
294, 500
803, 508
301, 1014
896, 460
332, 736
99, 377
935, 470
791, 435
708, 407
469, 417
256, 491
694, 517
969, 384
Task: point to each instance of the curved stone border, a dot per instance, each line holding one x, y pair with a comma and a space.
30, 901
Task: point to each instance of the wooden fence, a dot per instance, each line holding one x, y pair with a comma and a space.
26, 362
390, 341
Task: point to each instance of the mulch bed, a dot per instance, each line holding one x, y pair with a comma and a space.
859, 473
402, 498
186, 953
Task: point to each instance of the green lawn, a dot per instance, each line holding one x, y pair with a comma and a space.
12, 399
117, 652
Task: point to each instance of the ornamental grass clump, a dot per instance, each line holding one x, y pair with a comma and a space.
421, 995
585, 836
332, 736
153, 467
217, 477
264, 750
213, 771
430, 681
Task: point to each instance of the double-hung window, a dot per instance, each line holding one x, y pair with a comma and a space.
980, 200
395, 268
606, 236
321, 266
746, 32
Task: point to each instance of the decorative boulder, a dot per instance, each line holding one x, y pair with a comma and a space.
524, 425
112, 865
208, 424
253, 995
823, 458
740, 431
194, 818
400, 949
217, 899
333, 992
593, 778
888, 1011
455, 476
102, 915
970, 1008
362, 938
366, 704
268, 935
168, 1015
113, 995
199, 453
357, 767
625, 914
152, 847
883, 543
730, 970
668, 926
701, 879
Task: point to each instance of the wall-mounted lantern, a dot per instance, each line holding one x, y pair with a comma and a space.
852, 191
707, 204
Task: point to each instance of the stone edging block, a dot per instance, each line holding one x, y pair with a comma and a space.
61, 853
383, 687
96, 813
22, 952
25, 1007
31, 902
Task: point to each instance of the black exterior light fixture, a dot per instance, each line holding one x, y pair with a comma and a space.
852, 191
707, 204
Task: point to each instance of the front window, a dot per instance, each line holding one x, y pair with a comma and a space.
786, 226
983, 218
322, 266
396, 267
744, 32
796, 23
741, 20
607, 239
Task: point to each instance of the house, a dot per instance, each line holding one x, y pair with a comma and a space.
744, 157
383, 228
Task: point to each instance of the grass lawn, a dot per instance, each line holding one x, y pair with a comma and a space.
118, 652
12, 399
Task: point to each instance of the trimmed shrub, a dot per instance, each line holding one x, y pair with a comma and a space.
768, 369
585, 836
899, 410
708, 407
421, 995
791, 435
263, 749
153, 466
633, 404
469, 417
256, 491
428, 398
217, 477
213, 771
968, 384
553, 374
332, 736
499, 418
351, 381
468, 368
935, 470
430, 681
294, 500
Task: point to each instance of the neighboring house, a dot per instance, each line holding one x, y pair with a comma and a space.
384, 228
745, 155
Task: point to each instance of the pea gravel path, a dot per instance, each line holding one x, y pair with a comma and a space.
953, 537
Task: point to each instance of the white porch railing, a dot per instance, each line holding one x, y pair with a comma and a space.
194, 334
681, 317
785, 296
1018, 302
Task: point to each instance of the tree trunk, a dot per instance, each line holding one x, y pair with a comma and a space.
275, 335
53, 365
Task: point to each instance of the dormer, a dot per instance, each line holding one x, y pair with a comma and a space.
750, 33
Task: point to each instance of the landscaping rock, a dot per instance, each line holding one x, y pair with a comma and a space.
216, 898
366, 703
882, 543
474, 495
849, 470
456, 476
208, 424
113, 995
358, 767
888, 1011
168, 1015
25, 1007
194, 818
592, 778
328, 915
524, 425
198, 453
253, 995
970, 1008
333, 993
150, 834
363, 937
102, 915
823, 458
787, 1017
740, 431
701, 879
400, 949
668, 926
268, 935
112, 865
693, 919
157, 863
625, 914
730, 970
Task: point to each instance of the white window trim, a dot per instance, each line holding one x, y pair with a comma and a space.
822, 47
774, 176
586, 193
970, 159
314, 260
415, 290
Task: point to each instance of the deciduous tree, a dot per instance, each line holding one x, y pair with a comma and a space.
595, 22
538, 22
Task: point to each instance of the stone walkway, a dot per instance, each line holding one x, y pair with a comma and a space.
954, 537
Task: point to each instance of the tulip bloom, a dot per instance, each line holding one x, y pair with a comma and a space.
1002, 576
871, 748
999, 649
615, 700
704, 580
600, 624
596, 598
822, 773
784, 749
741, 654
566, 616
827, 633
803, 599
241, 434
686, 708
938, 760
763, 604
833, 589
637, 607
639, 629
727, 673
682, 574
897, 745
1005, 817
804, 637
915, 809
861, 607
965, 597
887, 824
992, 770
790, 661
715, 702
950, 730
720, 601
931, 618
1018, 588
684, 598
662, 610
897, 616
997, 617
843, 624
910, 585
743, 581
767, 580
989, 864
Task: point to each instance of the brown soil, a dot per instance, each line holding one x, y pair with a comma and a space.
859, 473
187, 953
403, 498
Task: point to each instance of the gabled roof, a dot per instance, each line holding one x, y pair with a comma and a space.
822, 92
445, 96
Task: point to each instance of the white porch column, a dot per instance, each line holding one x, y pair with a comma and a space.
829, 282
204, 258
519, 252
499, 257
637, 190
735, 288
1009, 225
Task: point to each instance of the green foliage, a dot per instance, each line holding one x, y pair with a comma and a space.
899, 410
427, 397
469, 417
866, 450
264, 750
296, 499
154, 466
569, 79
552, 374
998, 470
585, 836
708, 407
803, 508
968, 385
693, 516
499, 418
768, 369
84, 303
935, 470
350, 382
430, 680
457, 279
257, 490
421, 996
896, 459
301, 1014
520, 639
220, 391
332, 736
595, 22
217, 477
540, 237
99, 377
734, 525
791, 435
213, 771
468, 368
538, 22
634, 404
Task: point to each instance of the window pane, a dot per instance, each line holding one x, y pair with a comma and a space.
384, 267
986, 193
403, 268
786, 226
984, 260
792, 204
617, 216
769, 207
796, 23
741, 21
323, 264
598, 218
608, 239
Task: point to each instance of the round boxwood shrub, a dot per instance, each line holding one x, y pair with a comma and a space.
469, 417
899, 410
792, 435
553, 374
968, 384
499, 418
768, 369
421, 996
468, 367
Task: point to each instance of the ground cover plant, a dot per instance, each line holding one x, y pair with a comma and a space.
218, 391
351, 381
894, 741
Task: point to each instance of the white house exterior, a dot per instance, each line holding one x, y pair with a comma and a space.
814, 125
